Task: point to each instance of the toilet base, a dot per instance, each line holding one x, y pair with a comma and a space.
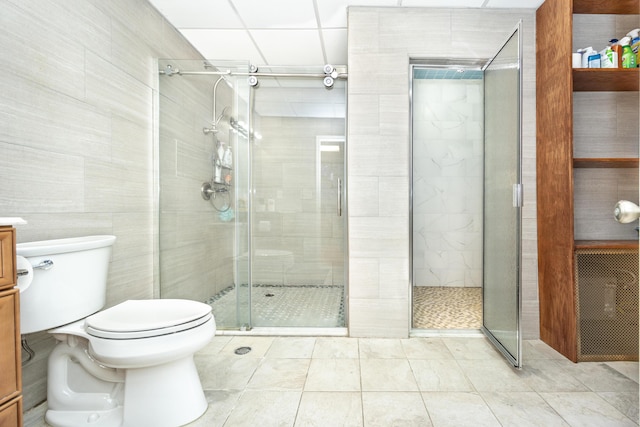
110, 418
167, 395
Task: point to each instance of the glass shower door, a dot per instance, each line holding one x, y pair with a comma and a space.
202, 203
297, 213
503, 200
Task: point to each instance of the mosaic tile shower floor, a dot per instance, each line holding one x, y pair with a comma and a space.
317, 306
447, 308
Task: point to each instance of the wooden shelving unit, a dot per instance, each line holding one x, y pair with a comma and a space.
556, 83
608, 163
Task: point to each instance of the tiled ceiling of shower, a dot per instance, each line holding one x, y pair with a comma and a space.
286, 32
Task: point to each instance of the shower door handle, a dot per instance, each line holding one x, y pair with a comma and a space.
339, 196
517, 195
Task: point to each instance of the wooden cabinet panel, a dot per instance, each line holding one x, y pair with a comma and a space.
11, 413
7, 259
556, 84
10, 363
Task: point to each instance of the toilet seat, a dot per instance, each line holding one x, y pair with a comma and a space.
135, 319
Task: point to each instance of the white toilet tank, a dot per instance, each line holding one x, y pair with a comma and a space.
66, 280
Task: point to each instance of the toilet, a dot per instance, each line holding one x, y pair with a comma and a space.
129, 365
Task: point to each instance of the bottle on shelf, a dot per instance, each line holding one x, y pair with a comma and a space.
628, 57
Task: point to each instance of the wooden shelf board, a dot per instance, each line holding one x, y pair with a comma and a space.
617, 7
605, 79
606, 244
605, 163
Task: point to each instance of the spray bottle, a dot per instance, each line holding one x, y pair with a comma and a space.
634, 35
628, 57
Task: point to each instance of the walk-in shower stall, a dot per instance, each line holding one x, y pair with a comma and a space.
251, 171
466, 195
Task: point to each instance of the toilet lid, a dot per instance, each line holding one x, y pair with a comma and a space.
147, 318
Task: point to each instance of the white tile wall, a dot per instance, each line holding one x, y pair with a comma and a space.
284, 173
447, 175
77, 133
381, 42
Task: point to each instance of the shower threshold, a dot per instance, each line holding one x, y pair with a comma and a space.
287, 332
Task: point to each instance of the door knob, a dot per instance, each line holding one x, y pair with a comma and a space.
626, 211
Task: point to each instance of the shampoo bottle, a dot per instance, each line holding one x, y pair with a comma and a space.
628, 57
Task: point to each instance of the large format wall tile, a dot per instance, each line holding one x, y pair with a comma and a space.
381, 43
77, 132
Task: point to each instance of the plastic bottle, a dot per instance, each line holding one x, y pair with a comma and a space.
615, 46
594, 60
608, 58
586, 53
628, 57
634, 35
227, 158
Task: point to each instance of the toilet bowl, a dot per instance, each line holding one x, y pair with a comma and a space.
128, 365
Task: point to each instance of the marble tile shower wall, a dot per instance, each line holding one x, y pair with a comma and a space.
196, 245
381, 42
285, 213
77, 133
447, 182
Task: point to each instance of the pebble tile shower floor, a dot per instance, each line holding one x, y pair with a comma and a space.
447, 307
318, 306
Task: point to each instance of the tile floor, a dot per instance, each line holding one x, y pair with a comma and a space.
316, 306
438, 307
334, 381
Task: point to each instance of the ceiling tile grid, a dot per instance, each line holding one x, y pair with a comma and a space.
285, 32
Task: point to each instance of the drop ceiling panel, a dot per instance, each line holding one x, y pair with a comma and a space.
289, 47
528, 4
199, 13
335, 45
224, 44
333, 13
444, 3
276, 13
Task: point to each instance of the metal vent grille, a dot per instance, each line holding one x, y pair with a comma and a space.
607, 304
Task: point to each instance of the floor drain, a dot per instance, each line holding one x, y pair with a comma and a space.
242, 350
269, 295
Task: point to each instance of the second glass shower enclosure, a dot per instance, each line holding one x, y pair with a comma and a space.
251, 170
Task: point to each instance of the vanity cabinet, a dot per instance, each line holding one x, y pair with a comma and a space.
10, 356
586, 159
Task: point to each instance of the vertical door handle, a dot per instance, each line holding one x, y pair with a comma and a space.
339, 196
517, 195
